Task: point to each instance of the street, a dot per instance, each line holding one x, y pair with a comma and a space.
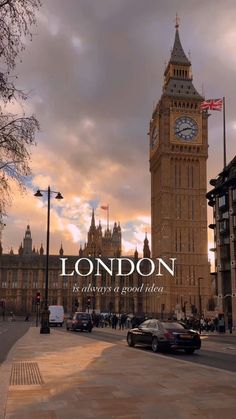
216, 351
10, 332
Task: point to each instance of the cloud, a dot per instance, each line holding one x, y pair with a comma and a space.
94, 71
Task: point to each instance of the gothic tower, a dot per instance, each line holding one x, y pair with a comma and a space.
27, 242
178, 155
99, 244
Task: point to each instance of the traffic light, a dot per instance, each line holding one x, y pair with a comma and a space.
38, 298
88, 301
76, 303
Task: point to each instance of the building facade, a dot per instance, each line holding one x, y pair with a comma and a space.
22, 276
178, 155
108, 243
222, 199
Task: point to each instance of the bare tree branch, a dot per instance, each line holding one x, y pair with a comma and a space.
17, 133
16, 17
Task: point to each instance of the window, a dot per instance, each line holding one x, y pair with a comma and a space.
145, 324
172, 326
153, 324
178, 206
193, 209
222, 201
14, 283
25, 280
103, 279
223, 226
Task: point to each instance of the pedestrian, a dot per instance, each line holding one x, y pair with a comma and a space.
122, 321
114, 321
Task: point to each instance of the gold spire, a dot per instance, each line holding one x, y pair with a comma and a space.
177, 21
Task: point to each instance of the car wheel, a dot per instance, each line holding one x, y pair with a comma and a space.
155, 345
130, 340
189, 351
60, 324
90, 330
67, 328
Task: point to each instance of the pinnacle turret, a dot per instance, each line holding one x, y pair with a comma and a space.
61, 251
27, 242
177, 54
178, 73
93, 219
146, 248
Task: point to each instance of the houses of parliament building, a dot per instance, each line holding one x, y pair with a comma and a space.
22, 276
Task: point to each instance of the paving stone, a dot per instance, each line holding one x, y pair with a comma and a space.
84, 378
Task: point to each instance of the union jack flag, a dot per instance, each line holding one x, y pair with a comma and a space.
212, 104
105, 207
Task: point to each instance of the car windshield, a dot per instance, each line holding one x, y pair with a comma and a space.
82, 317
144, 324
170, 326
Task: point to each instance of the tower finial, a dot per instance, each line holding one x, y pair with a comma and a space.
177, 21
93, 219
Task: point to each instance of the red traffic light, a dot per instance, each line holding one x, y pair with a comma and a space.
38, 297
88, 301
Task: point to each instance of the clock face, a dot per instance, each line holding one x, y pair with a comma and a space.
154, 137
186, 128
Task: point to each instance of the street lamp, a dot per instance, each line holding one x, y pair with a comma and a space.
45, 312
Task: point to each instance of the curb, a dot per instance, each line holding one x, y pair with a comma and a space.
5, 372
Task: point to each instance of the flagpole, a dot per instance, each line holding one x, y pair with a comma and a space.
107, 217
224, 132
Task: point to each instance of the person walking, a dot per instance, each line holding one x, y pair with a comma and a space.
114, 321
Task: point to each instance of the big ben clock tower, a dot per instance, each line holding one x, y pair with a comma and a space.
178, 155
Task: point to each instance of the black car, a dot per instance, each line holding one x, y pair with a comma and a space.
80, 321
164, 335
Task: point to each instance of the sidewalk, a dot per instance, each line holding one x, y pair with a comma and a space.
84, 378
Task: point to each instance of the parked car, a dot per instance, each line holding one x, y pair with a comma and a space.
80, 321
164, 335
56, 316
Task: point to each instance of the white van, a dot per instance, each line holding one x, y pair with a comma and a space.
56, 316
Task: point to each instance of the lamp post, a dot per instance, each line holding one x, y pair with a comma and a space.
45, 312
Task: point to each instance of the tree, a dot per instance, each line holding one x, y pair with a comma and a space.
17, 133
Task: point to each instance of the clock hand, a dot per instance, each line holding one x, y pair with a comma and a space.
184, 129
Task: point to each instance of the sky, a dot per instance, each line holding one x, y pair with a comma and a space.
94, 70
